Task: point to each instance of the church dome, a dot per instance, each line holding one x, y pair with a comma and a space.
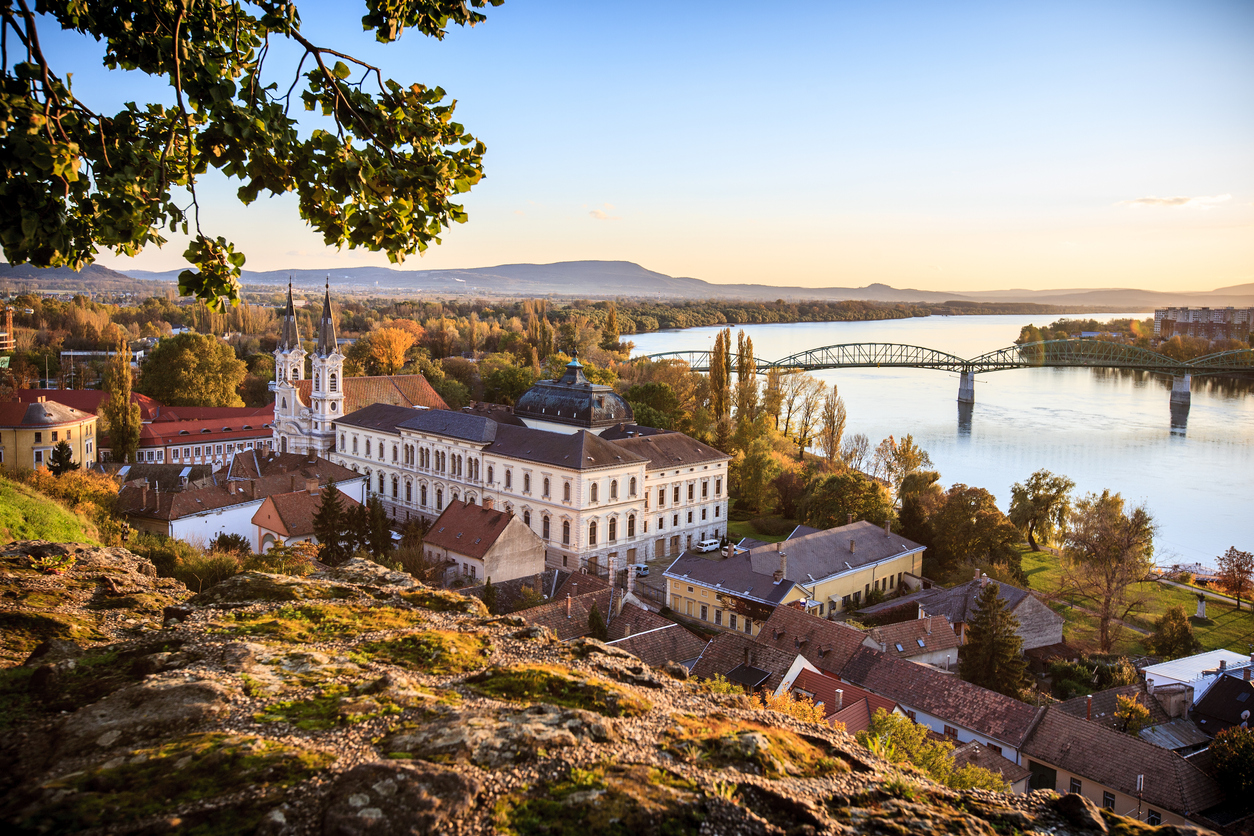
573, 400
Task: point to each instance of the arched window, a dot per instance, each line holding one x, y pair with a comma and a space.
395, 488
613, 529
394, 452
526, 483
409, 491
422, 495
489, 474
592, 492
613, 489
333, 381
341, 442
509, 479
592, 533
546, 486
631, 526
545, 527
527, 518
283, 405
439, 498
382, 487
633, 486
566, 492
367, 448
566, 532
317, 381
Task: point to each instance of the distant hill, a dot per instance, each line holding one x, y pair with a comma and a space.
91, 271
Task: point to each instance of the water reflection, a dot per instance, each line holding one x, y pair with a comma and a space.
965, 411
1179, 418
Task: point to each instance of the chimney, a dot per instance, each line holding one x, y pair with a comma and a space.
293, 481
631, 580
627, 631
487, 502
143, 495
1088, 714
849, 519
783, 562
927, 626
1246, 674
983, 581
311, 485
568, 605
887, 527
1223, 665
840, 700
1149, 688
853, 547
975, 574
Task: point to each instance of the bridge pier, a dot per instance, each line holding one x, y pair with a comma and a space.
966, 387
1180, 394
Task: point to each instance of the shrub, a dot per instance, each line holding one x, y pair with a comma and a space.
236, 543
801, 708
775, 526
164, 552
201, 570
296, 559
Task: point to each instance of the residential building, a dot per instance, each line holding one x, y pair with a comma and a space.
744, 662
654, 639
307, 408
1038, 624
1116, 771
825, 571
826, 645
592, 499
1211, 323
29, 431
478, 541
924, 641
569, 614
1228, 702
285, 519
1167, 724
842, 703
229, 503
89, 400
1199, 671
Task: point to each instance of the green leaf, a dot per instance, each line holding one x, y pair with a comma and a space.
340, 70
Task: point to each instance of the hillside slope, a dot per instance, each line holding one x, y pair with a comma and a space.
26, 514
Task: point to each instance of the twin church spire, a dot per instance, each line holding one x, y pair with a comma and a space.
289, 336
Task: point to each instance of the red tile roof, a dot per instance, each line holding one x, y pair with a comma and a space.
201, 413
89, 400
205, 431
827, 645
857, 706
917, 637
572, 623
397, 390
467, 529
653, 638
728, 651
292, 514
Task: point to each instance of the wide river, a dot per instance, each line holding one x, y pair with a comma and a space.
1102, 429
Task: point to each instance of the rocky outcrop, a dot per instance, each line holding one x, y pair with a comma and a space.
359, 702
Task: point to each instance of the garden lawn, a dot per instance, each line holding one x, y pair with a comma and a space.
737, 530
1226, 627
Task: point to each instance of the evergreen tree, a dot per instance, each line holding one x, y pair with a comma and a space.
1173, 635
378, 532
490, 598
596, 624
122, 418
62, 459
991, 657
329, 526
357, 529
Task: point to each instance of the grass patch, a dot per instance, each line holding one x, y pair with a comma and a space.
610, 800
556, 686
23, 631
719, 742
440, 600
317, 622
436, 652
152, 781
738, 530
334, 706
27, 514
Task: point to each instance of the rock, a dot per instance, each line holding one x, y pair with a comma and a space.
635, 674
151, 708
392, 799
504, 620
240, 656
675, 671
1081, 812
52, 651
585, 646
367, 573
536, 632
150, 664
492, 739
177, 613
251, 587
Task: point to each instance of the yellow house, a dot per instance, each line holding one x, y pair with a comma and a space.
29, 431
827, 571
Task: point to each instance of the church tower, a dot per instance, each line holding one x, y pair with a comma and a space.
289, 356
326, 397
289, 368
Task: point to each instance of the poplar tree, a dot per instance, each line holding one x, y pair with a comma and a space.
832, 430
746, 380
992, 655
122, 417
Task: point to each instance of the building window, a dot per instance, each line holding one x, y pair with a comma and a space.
718, 487
613, 529
526, 483
613, 487
394, 454
54, 435
545, 527
592, 533
527, 518
689, 518
632, 486
705, 613
187, 452
950, 731
354, 445
1077, 786
705, 489
39, 456
749, 626
439, 498
592, 492
690, 487
631, 526
1154, 817
39, 438
716, 510
675, 521
731, 620
661, 497
546, 486
490, 477
1108, 800
197, 452
992, 747
718, 617
332, 381
566, 492
677, 494
703, 512
509, 480
566, 532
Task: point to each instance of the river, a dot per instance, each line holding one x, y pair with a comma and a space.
1103, 429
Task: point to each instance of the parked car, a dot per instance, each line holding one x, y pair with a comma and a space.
707, 546
642, 570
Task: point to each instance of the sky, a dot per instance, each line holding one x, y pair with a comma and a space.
939, 146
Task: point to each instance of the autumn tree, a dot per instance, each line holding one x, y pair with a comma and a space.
969, 528
1236, 572
921, 497
123, 421
992, 657
746, 379
387, 348
1232, 756
1132, 716
832, 426
74, 180
898, 739
610, 335
1040, 505
856, 451
894, 460
1172, 636
752, 473
1107, 549
831, 500
193, 370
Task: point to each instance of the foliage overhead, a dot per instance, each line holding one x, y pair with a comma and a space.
380, 174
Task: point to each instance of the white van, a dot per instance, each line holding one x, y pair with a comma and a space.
707, 546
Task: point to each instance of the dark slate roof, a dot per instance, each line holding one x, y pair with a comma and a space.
478, 429
1106, 702
289, 338
827, 645
729, 651
166, 477
627, 430
578, 451
671, 450
802, 531
38, 415
826, 553
1229, 702
734, 574
573, 400
957, 603
942, 695
467, 529
1115, 759
382, 417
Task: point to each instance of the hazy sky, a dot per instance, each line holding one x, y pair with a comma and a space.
955, 146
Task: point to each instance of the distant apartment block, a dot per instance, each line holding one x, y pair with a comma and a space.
1210, 323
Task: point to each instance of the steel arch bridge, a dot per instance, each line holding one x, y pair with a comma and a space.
1059, 354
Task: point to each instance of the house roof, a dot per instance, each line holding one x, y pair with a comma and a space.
201, 413
942, 695
672, 449
825, 553
398, 390
166, 477
577, 451
1113, 759
1106, 702
728, 651
578, 583
38, 415
1229, 702
1191, 668
655, 640
292, 514
205, 430
907, 639
479, 429
572, 625
510, 594
857, 706
573, 399
467, 529
734, 574
975, 754
89, 400
828, 645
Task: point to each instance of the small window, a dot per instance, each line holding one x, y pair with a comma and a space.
705, 613
566, 532
677, 494
950, 731
592, 533
566, 492
39, 438
1154, 817
690, 487
731, 620
705, 489
546, 486
545, 527
592, 493
900, 649
993, 747
1108, 800
613, 487
1077, 786
526, 483
718, 487
527, 518
54, 435
633, 486
509, 479
718, 617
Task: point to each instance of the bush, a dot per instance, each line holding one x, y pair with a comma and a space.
294, 560
775, 526
202, 570
165, 552
236, 543
1089, 674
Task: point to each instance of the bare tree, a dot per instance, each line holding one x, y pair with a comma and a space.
809, 411
855, 450
833, 429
